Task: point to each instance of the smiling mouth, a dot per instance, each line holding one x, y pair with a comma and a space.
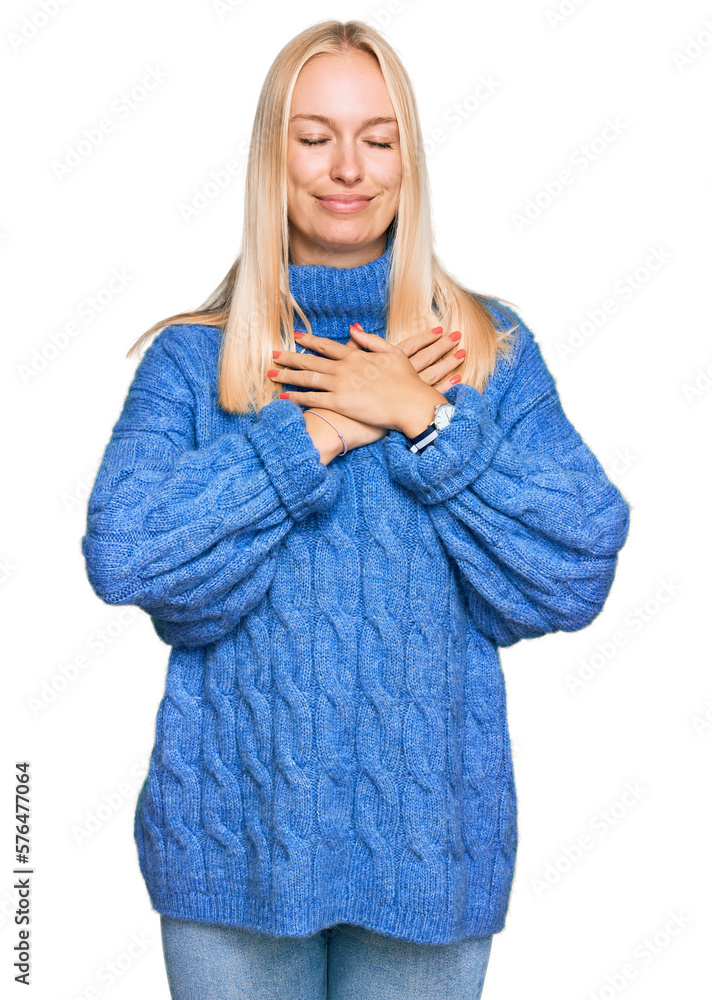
344, 205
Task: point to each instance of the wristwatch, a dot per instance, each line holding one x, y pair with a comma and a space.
441, 418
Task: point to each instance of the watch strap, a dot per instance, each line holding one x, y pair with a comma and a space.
422, 440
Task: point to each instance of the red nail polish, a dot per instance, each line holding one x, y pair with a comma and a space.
359, 327
460, 354
272, 372
456, 335
284, 395
276, 354
437, 329
297, 334
454, 379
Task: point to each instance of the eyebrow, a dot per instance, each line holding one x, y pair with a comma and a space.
378, 120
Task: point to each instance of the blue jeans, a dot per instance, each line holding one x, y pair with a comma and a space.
343, 962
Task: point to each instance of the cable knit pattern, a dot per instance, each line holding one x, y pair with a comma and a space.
332, 745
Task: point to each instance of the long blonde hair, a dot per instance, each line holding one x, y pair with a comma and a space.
253, 305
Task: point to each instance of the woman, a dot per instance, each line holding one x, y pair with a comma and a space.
335, 529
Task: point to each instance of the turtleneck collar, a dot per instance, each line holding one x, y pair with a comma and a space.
334, 297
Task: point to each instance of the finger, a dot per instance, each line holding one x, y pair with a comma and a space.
324, 345
446, 383
309, 398
306, 377
443, 347
312, 362
371, 341
417, 341
447, 366
410, 344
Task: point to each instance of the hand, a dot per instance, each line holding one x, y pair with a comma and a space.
356, 433
430, 354
376, 384
435, 356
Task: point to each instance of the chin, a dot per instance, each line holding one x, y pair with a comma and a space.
344, 237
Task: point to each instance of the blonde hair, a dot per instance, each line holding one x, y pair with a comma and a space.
253, 304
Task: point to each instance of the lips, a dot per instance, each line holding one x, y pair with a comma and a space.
344, 203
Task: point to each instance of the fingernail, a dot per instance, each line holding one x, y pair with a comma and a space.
460, 354
284, 395
298, 335
454, 379
359, 327
456, 335
276, 354
272, 372
437, 329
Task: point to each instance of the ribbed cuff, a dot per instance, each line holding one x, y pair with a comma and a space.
280, 437
460, 452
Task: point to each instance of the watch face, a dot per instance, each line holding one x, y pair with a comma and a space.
443, 415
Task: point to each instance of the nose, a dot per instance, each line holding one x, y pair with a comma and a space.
346, 163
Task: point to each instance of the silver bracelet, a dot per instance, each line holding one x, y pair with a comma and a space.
343, 439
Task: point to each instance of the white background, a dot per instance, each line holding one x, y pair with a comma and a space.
643, 718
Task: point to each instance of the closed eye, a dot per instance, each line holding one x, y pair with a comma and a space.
319, 142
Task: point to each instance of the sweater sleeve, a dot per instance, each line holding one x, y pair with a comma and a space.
520, 503
190, 534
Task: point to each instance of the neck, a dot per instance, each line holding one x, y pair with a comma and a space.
333, 297
324, 257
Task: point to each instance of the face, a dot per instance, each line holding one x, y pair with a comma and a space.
343, 167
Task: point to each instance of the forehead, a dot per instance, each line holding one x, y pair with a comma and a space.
348, 86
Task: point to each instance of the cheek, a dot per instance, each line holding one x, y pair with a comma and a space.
392, 185
301, 171
390, 176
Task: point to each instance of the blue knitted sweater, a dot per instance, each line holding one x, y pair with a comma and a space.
332, 745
